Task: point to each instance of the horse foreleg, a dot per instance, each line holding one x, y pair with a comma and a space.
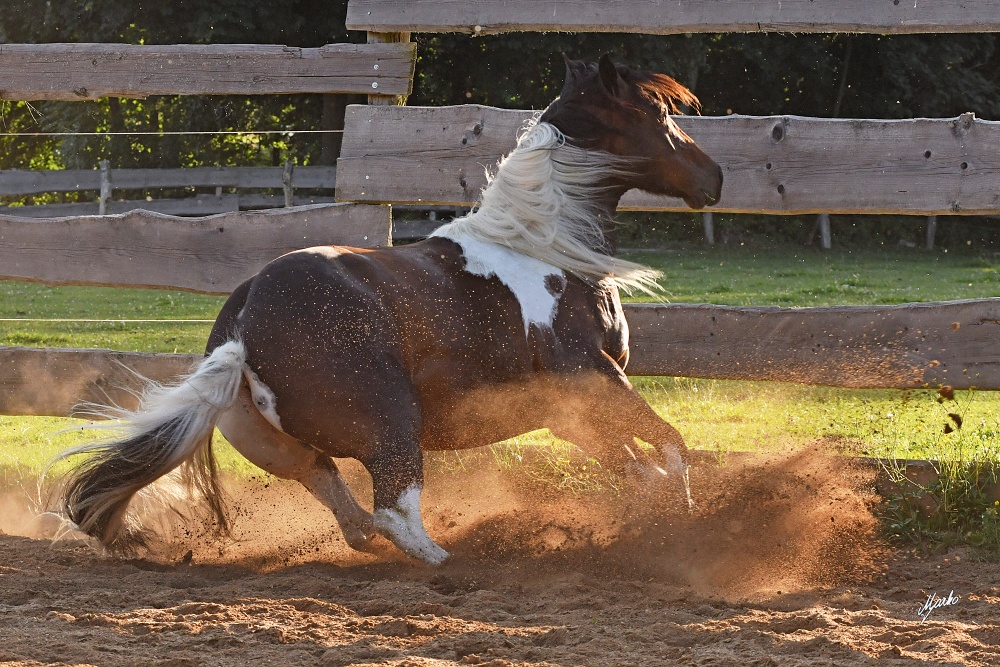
617, 451
283, 456
607, 426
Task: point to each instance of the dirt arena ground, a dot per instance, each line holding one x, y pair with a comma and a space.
780, 565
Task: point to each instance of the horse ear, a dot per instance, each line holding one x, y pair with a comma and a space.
573, 69
609, 75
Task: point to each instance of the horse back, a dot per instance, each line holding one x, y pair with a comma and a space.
386, 330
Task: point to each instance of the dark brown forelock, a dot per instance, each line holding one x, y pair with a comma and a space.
662, 90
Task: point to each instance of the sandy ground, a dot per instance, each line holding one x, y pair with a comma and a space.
780, 565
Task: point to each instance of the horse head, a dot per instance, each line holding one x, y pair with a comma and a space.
626, 113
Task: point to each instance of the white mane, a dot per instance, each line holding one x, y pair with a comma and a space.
541, 203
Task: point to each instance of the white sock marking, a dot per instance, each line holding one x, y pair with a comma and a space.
402, 525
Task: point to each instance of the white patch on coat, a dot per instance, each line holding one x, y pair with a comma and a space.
263, 398
525, 276
402, 525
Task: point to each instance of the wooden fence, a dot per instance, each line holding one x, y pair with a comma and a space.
89, 71
211, 254
654, 17
907, 347
436, 156
27, 181
19, 182
780, 165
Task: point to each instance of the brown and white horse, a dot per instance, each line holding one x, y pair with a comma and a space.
504, 321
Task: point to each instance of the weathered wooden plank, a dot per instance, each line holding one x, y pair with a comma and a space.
199, 205
30, 181
211, 255
676, 16
204, 204
906, 346
90, 71
777, 165
903, 347
39, 381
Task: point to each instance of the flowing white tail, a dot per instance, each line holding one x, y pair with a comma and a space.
172, 426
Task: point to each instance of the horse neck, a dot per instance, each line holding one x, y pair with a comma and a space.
556, 203
606, 204
601, 202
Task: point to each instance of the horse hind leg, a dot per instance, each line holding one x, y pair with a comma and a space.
255, 437
397, 481
326, 483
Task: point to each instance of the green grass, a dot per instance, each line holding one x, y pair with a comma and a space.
29, 445
795, 276
720, 415
33, 301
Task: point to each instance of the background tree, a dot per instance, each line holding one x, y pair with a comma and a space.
760, 74
304, 23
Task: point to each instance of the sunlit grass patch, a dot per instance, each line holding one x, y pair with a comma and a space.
133, 320
30, 445
798, 276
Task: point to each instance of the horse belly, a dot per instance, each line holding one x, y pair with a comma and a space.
480, 416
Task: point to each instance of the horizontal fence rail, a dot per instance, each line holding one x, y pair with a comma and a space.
53, 382
90, 71
677, 16
31, 181
198, 205
774, 164
902, 347
143, 249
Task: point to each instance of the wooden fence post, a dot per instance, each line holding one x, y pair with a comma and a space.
931, 231
386, 38
102, 206
286, 182
824, 231
706, 223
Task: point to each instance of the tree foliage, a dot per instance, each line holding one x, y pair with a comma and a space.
757, 74
814, 75
304, 23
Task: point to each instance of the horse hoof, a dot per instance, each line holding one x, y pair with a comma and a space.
434, 555
365, 543
423, 550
